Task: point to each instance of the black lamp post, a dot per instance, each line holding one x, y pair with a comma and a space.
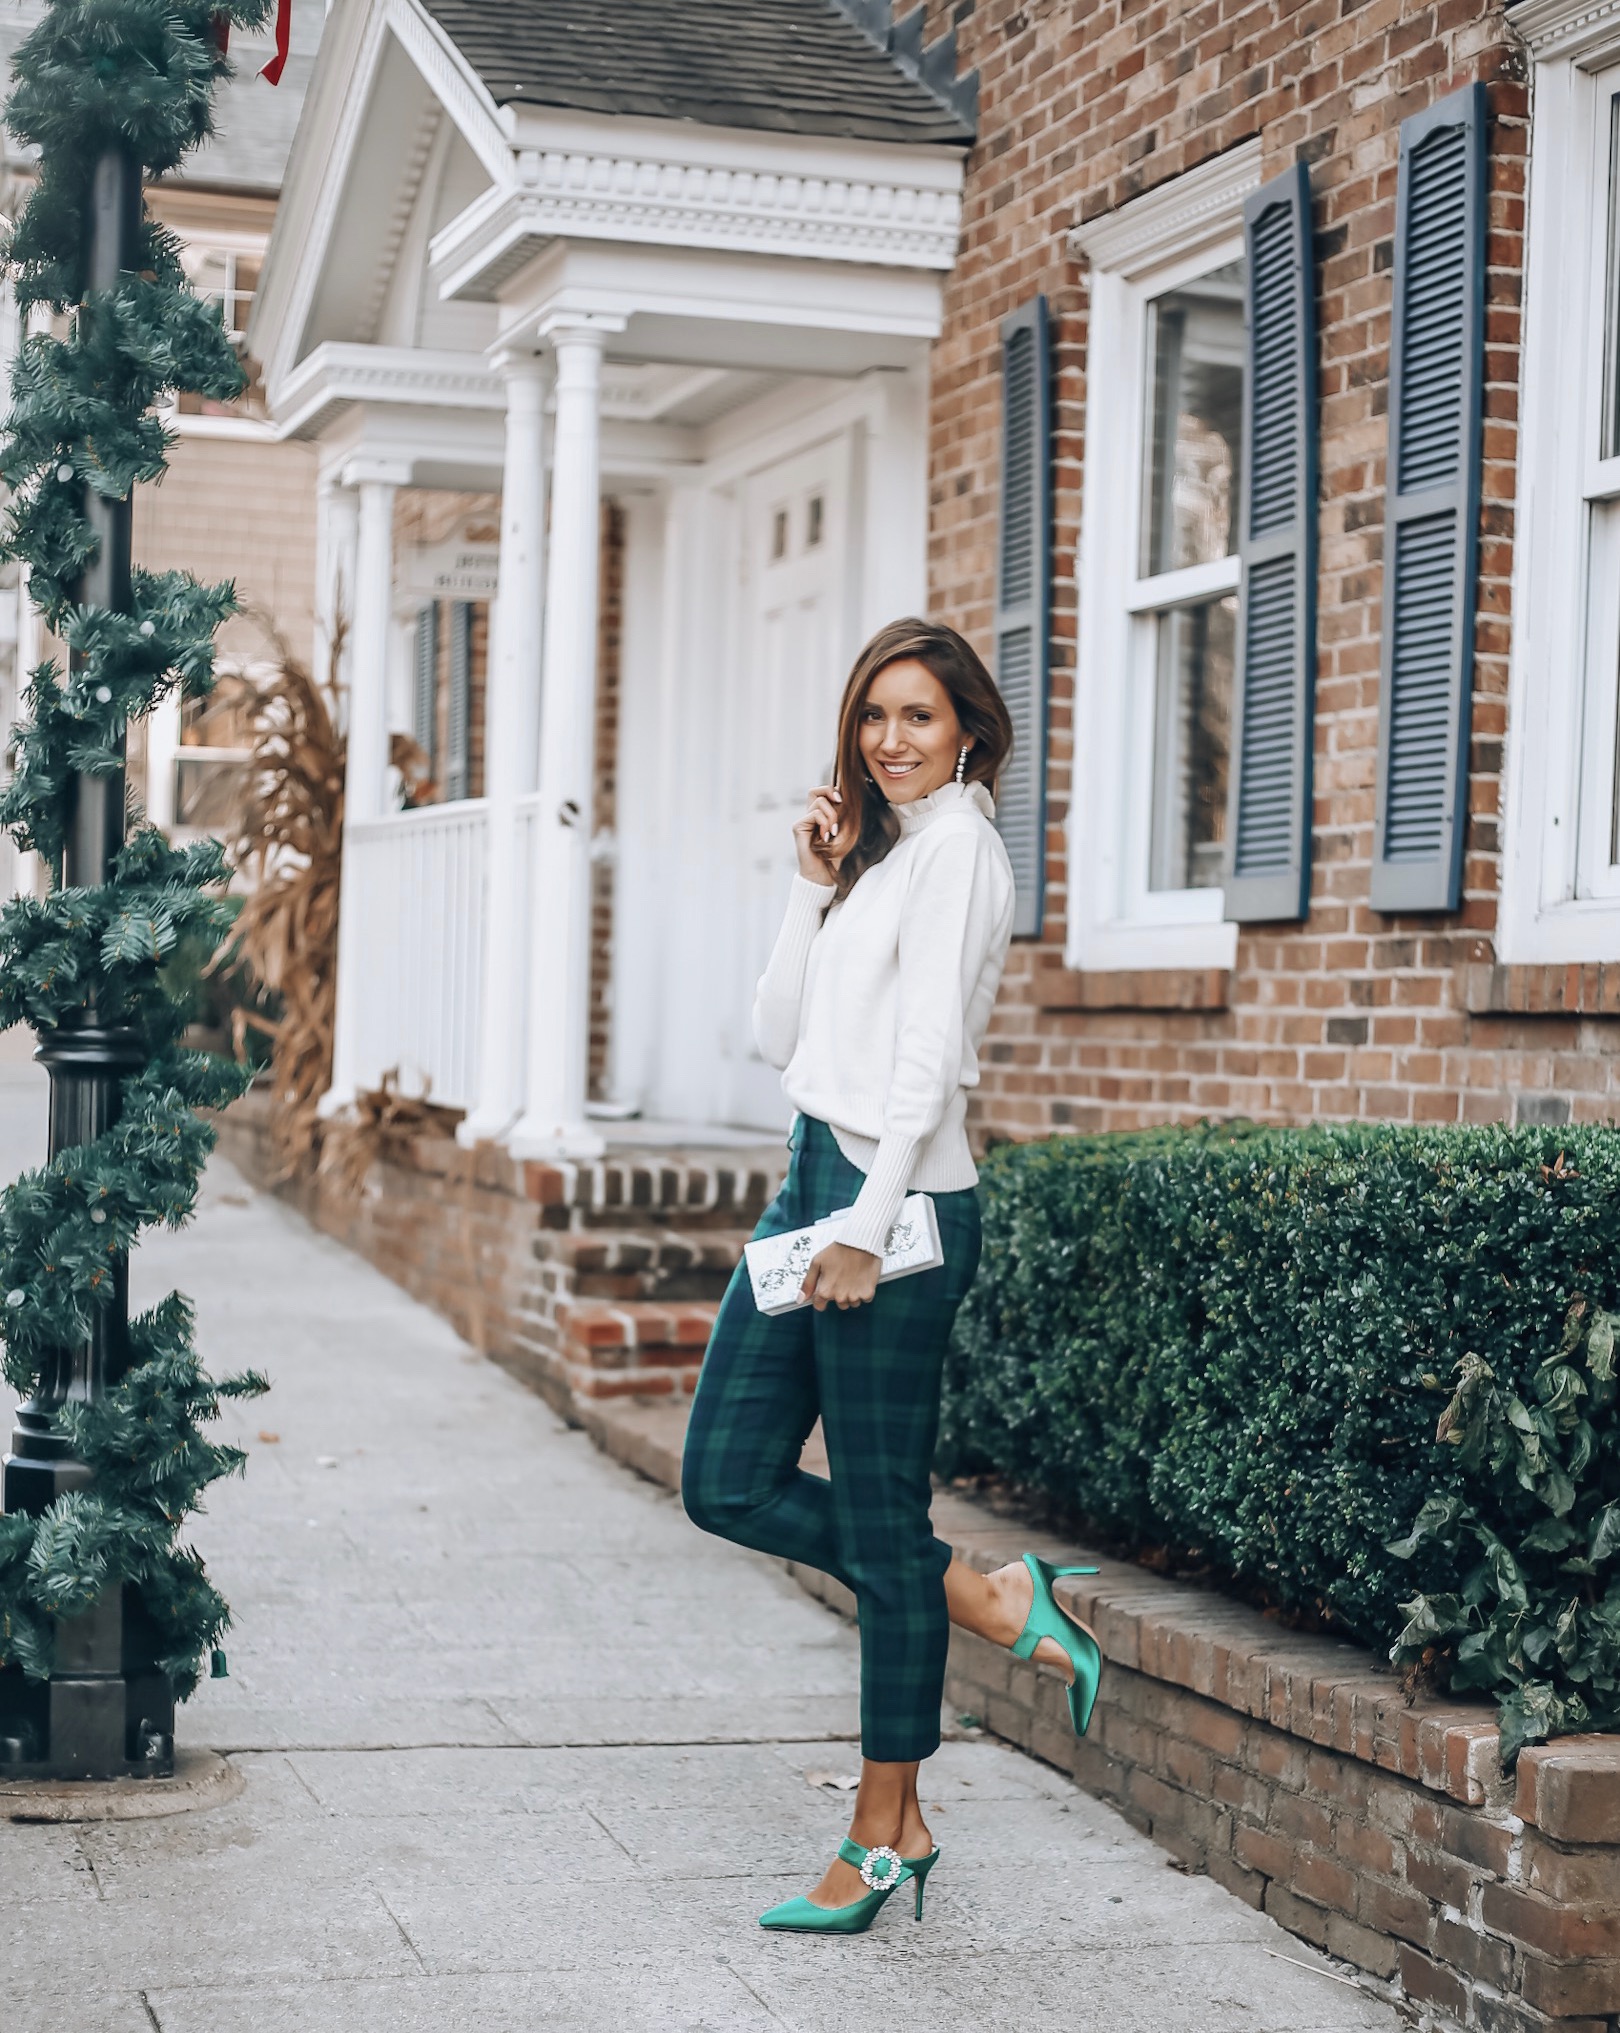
106, 1711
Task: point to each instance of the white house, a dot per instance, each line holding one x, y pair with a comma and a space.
686, 260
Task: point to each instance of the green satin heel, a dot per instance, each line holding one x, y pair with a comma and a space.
1047, 1620
884, 1871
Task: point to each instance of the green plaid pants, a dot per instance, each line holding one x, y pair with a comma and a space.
873, 1376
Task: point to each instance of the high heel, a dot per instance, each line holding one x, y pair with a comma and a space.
1047, 1619
920, 1867
883, 1870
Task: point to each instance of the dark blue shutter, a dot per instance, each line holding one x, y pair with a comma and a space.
1023, 600
1269, 809
456, 764
425, 687
1432, 509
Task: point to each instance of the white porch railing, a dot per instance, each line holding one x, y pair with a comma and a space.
417, 892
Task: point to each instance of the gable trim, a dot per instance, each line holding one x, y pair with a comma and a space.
323, 156
715, 188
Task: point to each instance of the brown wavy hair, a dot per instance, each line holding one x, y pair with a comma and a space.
866, 816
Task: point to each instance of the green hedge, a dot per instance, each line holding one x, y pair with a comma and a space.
1370, 1369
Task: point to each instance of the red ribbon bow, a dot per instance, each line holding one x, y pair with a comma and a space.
278, 63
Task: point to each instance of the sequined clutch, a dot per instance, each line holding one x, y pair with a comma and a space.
777, 1263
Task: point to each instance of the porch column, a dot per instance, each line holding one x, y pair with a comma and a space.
376, 481
162, 749
511, 747
337, 532
553, 1122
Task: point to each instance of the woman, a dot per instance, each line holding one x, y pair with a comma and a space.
877, 994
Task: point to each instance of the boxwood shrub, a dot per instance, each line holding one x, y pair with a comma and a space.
1369, 1369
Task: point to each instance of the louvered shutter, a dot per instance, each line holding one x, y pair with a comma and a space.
1432, 509
456, 771
1269, 809
1022, 600
425, 684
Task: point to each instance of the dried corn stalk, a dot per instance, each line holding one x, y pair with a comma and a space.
288, 847
382, 1124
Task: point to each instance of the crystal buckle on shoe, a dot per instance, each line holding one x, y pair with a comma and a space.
894, 1864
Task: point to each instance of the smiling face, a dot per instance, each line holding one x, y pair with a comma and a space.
909, 734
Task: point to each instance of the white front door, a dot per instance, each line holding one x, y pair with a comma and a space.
793, 653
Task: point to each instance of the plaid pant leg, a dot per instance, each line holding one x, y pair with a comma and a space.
873, 1373
755, 1404
880, 1368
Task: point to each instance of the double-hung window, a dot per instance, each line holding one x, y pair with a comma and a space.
1183, 601
1160, 574
1561, 873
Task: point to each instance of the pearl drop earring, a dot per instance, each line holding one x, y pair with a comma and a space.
961, 764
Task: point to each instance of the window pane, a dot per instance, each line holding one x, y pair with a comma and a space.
1192, 733
1195, 422
1611, 314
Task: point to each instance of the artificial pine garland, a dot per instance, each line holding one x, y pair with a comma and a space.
141, 75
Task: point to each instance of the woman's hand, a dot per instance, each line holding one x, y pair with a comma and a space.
841, 1276
815, 833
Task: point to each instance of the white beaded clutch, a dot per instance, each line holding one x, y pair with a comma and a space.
777, 1263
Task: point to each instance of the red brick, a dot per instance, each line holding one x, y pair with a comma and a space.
1324, 1883
1390, 1910
1571, 1788
1427, 1983
1566, 1932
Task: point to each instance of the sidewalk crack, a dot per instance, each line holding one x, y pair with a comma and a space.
411, 1945
612, 1838
90, 1866
763, 2003
152, 2017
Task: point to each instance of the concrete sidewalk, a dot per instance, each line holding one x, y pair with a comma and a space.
523, 1750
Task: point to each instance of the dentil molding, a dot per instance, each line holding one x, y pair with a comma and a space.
1567, 28
585, 194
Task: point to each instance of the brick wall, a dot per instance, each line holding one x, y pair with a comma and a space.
1352, 1013
1499, 1912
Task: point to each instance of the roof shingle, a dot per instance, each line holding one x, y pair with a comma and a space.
794, 66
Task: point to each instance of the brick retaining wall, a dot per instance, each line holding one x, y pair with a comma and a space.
588, 1280
1293, 1771
1290, 1768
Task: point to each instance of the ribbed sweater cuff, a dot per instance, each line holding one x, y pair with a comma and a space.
800, 924
868, 1222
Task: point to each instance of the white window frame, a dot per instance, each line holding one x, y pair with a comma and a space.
1155, 243
1560, 900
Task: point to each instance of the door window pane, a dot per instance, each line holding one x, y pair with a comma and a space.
1192, 735
1195, 422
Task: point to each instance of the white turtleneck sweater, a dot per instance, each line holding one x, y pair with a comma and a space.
875, 1007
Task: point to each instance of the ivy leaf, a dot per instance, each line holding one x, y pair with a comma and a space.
1437, 1514
1429, 1619
1605, 1540
1527, 1716
1600, 1346
1550, 1535
1557, 1492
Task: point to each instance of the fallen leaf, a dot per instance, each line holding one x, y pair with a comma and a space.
271, 1439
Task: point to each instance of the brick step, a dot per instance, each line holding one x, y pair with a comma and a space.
634, 1347
698, 1189
667, 1264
